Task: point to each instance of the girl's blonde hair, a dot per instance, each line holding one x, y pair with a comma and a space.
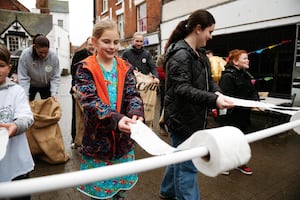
103, 25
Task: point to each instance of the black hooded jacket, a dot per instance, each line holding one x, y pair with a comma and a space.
237, 83
189, 89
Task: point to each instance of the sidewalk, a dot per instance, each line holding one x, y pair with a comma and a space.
275, 163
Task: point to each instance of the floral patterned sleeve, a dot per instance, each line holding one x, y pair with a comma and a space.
133, 103
94, 108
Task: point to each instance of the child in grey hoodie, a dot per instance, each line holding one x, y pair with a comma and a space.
16, 117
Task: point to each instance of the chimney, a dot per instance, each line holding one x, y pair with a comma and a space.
43, 6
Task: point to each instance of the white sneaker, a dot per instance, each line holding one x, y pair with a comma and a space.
225, 173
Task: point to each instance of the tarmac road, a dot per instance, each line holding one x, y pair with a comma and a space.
275, 163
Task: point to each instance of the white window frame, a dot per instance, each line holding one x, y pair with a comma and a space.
16, 44
121, 25
140, 20
60, 23
119, 2
104, 6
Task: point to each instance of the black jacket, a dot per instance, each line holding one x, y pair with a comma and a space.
141, 60
189, 89
78, 56
237, 83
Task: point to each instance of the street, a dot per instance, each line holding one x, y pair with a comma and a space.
275, 163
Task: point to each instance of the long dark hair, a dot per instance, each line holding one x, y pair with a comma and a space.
185, 27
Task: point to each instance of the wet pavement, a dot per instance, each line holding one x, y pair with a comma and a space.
275, 163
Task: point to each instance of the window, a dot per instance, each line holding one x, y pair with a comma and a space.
60, 23
58, 41
121, 25
142, 18
13, 43
104, 5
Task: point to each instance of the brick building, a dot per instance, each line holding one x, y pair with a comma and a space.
132, 16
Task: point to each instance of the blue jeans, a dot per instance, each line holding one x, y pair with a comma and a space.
180, 180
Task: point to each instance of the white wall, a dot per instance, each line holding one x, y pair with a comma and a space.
181, 8
60, 44
60, 39
244, 15
232, 16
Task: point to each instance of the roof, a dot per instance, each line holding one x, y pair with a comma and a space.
59, 6
33, 22
13, 5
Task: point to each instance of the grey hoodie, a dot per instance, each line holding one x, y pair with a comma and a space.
14, 107
39, 72
22, 121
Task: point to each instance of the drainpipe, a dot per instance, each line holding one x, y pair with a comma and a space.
94, 11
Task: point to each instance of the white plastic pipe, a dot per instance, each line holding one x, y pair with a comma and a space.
259, 135
60, 181
71, 179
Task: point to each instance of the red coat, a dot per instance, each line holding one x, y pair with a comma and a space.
161, 73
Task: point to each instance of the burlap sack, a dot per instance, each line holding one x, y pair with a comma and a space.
44, 136
79, 122
148, 90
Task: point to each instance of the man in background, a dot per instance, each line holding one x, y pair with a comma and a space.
80, 55
140, 58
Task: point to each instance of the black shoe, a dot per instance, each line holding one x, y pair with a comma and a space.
166, 197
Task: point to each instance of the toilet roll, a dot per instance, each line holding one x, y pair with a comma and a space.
3, 142
295, 117
227, 146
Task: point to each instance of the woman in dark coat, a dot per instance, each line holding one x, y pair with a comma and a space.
189, 92
236, 82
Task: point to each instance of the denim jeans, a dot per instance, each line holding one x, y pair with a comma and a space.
180, 180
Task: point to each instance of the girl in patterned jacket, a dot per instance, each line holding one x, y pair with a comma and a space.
106, 89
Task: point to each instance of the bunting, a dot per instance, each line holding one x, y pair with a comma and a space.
259, 51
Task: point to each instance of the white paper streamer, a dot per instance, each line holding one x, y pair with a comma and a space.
147, 139
3, 142
267, 106
249, 103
